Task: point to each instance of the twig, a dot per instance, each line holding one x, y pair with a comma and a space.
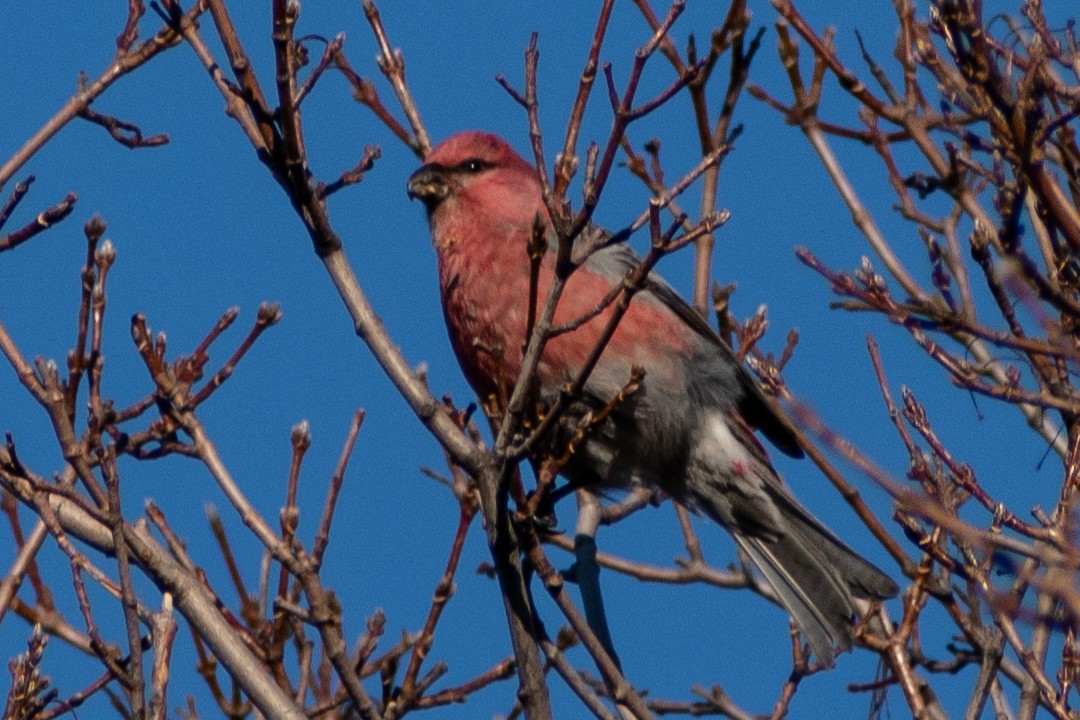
124, 63
322, 535
45, 219
127, 134
392, 64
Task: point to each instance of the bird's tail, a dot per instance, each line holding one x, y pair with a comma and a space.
816, 577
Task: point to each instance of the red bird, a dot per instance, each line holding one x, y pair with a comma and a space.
687, 430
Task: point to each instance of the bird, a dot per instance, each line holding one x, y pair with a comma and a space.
688, 428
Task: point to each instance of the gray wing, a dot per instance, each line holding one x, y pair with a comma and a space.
615, 261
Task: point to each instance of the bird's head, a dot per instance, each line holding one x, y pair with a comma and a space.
475, 171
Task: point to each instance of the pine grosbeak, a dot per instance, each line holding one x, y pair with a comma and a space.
688, 428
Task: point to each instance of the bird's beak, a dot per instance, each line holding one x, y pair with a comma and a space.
428, 184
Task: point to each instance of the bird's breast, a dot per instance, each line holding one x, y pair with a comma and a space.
485, 301
486, 291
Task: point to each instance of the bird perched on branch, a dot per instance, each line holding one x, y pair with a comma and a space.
688, 426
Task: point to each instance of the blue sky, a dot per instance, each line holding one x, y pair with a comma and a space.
199, 226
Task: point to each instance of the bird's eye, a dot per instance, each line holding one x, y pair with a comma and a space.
473, 166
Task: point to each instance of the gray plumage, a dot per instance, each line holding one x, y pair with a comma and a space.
690, 434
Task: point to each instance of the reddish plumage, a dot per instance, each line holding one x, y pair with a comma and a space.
687, 430
484, 274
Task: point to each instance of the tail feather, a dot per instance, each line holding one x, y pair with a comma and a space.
816, 577
860, 576
812, 593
